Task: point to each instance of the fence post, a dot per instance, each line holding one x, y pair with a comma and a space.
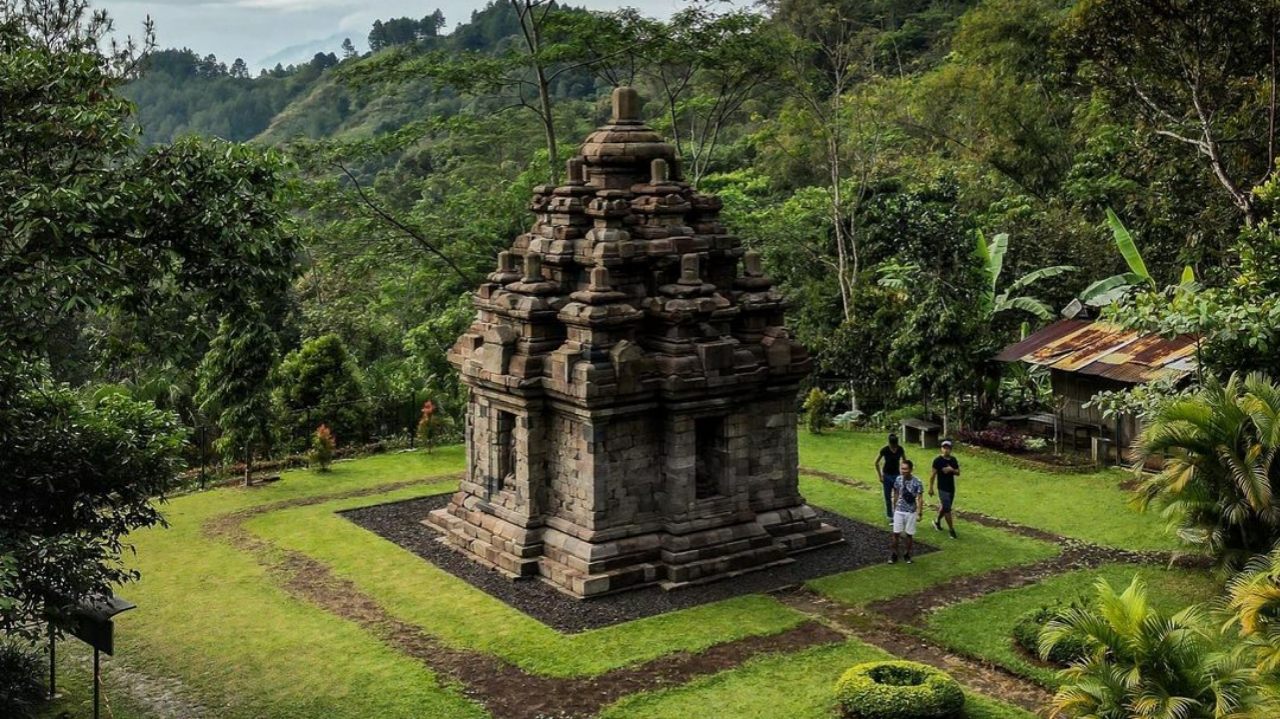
204, 455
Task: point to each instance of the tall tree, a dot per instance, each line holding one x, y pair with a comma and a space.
1201, 73
552, 43
834, 56
90, 225
235, 388
707, 66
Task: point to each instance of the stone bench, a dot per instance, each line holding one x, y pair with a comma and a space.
918, 431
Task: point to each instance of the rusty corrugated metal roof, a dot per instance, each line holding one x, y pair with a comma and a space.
1016, 351
1100, 349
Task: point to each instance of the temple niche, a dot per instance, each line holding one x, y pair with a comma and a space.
632, 414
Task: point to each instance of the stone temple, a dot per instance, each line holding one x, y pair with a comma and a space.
632, 415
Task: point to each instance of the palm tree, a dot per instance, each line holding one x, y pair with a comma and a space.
1220, 473
1253, 604
1141, 664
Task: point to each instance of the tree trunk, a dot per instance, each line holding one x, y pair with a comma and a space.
533, 41
248, 464
548, 126
837, 222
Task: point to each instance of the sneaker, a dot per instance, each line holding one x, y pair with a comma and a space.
908, 559
953, 534
893, 559
937, 523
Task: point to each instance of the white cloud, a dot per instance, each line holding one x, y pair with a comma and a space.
293, 5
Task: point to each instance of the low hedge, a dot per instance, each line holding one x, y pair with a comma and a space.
1026, 634
898, 690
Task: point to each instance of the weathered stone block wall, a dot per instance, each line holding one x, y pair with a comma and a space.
506, 456
569, 464
629, 480
774, 458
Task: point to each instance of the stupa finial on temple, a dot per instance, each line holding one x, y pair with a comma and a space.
626, 104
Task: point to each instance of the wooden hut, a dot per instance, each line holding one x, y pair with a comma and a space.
1085, 357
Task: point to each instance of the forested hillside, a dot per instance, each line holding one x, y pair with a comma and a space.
881, 155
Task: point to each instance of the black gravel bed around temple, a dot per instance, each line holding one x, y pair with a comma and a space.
401, 522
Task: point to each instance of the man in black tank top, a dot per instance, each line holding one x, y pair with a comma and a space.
887, 463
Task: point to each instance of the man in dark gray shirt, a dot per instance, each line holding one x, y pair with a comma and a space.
945, 470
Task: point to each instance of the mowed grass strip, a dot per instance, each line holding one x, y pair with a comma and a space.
983, 628
799, 686
417, 592
979, 549
1091, 507
211, 618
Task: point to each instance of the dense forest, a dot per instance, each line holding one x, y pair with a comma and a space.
866, 149
926, 179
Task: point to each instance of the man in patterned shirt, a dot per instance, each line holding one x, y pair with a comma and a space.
908, 507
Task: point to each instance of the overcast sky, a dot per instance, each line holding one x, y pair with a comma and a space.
258, 29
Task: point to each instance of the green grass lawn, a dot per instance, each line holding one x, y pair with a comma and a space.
210, 617
213, 625
419, 593
979, 549
800, 686
1085, 506
983, 627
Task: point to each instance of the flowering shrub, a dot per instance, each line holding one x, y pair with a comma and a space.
998, 438
323, 445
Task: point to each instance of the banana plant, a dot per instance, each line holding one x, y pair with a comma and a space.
1109, 289
991, 255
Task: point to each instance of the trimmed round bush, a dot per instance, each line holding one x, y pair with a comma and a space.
1026, 634
898, 690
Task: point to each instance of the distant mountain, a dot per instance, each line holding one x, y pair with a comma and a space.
181, 92
302, 52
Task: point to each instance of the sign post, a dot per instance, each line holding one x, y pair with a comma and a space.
53, 663
90, 622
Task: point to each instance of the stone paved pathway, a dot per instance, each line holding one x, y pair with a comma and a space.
164, 697
877, 630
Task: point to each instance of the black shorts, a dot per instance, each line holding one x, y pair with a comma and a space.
947, 498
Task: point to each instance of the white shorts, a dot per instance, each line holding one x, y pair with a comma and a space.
904, 522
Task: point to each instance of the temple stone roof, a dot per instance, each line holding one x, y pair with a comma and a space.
627, 283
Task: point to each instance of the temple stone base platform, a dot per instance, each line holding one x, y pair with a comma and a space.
583, 568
